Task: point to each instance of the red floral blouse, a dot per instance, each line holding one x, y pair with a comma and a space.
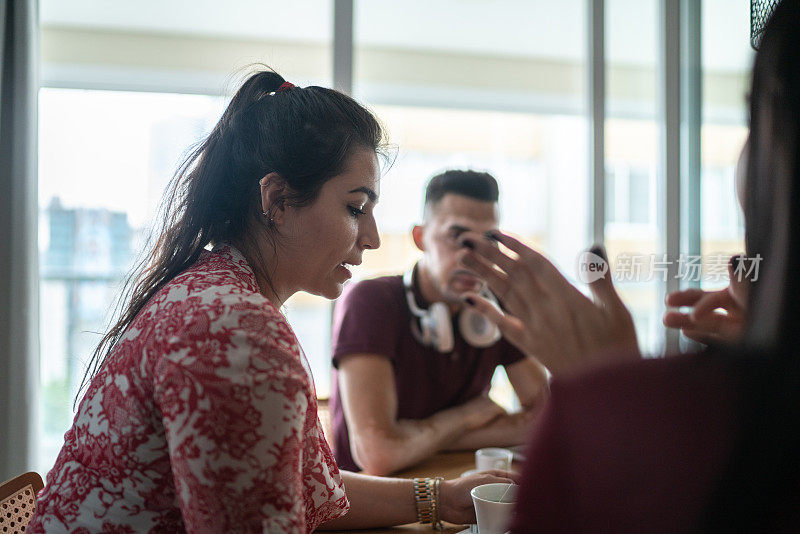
202, 419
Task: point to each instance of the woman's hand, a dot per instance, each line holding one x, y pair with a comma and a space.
716, 316
455, 500
544, 315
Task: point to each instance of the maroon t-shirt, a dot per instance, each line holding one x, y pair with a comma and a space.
372, 317
637, 447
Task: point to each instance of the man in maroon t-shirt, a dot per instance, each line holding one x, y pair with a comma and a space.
412, 366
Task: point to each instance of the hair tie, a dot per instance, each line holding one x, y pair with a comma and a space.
285, 86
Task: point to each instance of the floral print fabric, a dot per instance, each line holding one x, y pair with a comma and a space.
202, 419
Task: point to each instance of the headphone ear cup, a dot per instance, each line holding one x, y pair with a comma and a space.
477, 330
436, 328
435, 325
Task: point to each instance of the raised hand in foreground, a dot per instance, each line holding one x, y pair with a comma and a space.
544, 315
716, 316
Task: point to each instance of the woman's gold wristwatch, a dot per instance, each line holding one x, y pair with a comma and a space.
426, 497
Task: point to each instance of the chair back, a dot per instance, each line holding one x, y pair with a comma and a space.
18, 502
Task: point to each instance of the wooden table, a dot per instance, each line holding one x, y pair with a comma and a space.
448, 465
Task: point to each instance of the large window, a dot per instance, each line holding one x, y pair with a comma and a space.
495, 85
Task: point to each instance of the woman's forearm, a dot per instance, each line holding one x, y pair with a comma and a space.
375, 502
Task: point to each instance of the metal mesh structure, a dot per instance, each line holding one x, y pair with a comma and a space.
760, 11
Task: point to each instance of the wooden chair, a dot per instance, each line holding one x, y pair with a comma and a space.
18, 501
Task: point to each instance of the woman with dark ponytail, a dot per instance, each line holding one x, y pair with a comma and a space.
200, 412
705, 442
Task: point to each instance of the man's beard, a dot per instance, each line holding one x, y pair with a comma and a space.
454, 296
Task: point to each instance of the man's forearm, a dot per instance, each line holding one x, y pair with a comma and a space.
409, 442
505, 431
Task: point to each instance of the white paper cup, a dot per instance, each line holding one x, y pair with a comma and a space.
494, 516
493, 458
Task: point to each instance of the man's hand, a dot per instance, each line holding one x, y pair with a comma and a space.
716, 316
481, 411
380, 442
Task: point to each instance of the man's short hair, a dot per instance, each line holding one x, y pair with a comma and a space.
472, 184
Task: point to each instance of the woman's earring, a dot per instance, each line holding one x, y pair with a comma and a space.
270, 220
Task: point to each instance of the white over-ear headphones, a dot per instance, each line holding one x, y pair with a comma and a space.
434, 327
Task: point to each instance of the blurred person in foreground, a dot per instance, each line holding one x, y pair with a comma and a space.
706, 442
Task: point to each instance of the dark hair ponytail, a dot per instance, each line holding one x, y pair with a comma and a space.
303, 134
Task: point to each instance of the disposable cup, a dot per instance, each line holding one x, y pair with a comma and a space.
493, 506
493, 458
